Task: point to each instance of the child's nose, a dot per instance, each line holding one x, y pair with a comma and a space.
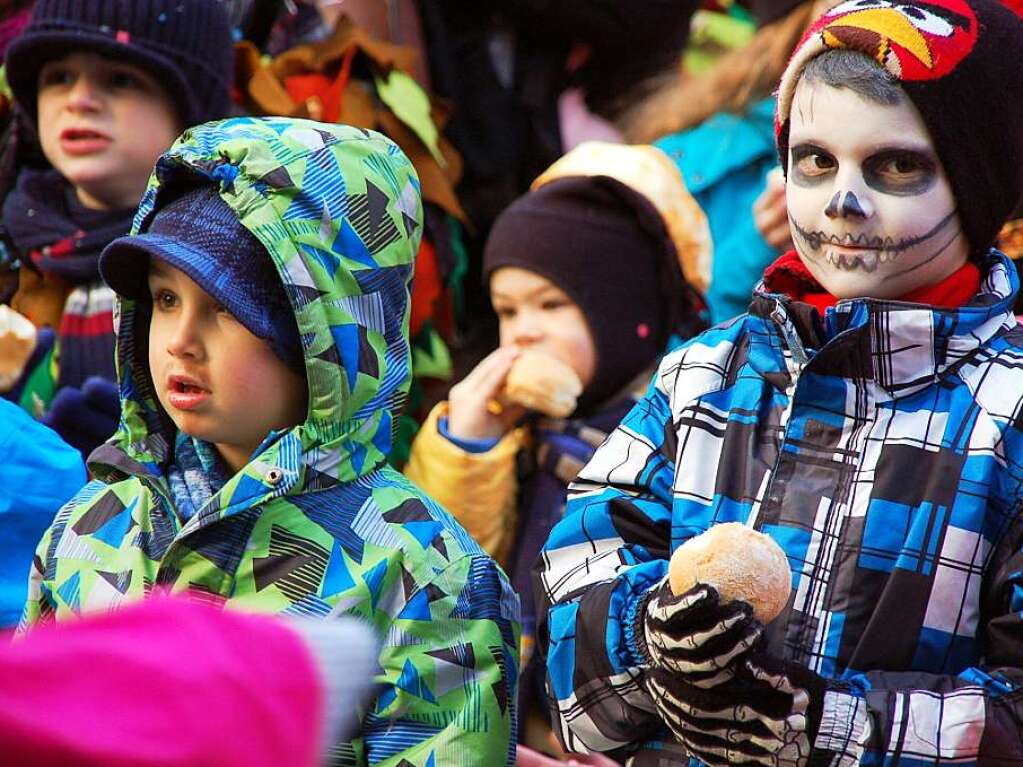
845, 204
526, 330
184, 341
83, 95
850, 199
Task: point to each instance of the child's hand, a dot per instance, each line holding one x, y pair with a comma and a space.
696, 637
470, 412
771, 714
770, 213
85, 417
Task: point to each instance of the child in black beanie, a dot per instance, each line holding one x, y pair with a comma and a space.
109, 84
594, 269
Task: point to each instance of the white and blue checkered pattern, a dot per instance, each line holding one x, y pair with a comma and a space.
883, 449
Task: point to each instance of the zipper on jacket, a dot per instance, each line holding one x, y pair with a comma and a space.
771, 497
795, 344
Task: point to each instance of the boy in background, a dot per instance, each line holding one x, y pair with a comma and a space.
264, 358
109, 85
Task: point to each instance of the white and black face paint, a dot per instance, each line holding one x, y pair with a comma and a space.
871, 210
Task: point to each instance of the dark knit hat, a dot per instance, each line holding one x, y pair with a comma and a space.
201, 235
607, 248
958, 61
185, 44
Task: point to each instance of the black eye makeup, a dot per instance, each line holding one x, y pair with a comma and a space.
896, 171
810, 164
900, 172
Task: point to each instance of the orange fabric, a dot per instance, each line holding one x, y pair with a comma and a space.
300, 83
489, 512
316, 88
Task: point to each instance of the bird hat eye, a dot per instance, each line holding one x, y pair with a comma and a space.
923, 19
928, 22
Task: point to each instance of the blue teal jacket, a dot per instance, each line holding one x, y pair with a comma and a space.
39, 473
725, 161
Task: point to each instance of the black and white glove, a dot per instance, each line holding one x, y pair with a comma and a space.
771, 713
693, 636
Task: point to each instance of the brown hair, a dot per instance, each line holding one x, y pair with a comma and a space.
741, 77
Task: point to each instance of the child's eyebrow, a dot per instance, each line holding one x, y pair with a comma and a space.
532, 294
812, 145
922, 150
158, 269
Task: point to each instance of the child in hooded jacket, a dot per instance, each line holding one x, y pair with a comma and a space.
592, 267
865, 414
108, 86
264, 358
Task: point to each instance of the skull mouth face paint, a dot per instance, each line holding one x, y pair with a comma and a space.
862, 251
871, 211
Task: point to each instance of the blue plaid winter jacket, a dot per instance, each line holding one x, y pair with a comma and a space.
883, 449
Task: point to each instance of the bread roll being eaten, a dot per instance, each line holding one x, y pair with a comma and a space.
541, 382
17, 341
740, 563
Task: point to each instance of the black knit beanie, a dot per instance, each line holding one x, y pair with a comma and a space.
606, 247
185, 44
958, 61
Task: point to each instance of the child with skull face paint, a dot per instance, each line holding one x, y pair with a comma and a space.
865, 413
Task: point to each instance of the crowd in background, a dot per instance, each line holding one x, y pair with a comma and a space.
594, 180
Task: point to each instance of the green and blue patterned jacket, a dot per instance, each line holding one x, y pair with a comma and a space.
317, 524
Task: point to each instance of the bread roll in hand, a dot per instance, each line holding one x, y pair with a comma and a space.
17, 340
740, 563
541, 382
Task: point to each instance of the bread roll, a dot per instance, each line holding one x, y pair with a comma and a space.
740, 563
541, 382
17, 340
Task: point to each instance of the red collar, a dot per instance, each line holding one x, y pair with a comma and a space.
788, 275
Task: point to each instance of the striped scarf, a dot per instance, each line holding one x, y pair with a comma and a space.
58, 235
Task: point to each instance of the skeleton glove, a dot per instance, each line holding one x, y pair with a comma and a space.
771, 713
694, 637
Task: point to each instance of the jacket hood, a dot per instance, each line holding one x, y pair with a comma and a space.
650, 173
338, 209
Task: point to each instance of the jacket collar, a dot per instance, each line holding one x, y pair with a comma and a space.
897, 347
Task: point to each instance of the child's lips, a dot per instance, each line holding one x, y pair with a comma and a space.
184, 393
83, 141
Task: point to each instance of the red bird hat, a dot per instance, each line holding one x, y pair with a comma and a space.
958, 62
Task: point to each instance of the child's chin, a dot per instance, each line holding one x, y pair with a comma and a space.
190, 424
856, 285
93, 175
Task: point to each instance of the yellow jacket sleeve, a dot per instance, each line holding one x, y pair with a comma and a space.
479, 489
